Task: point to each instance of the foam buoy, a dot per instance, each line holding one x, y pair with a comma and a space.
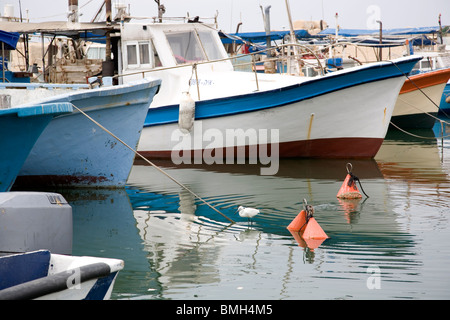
299, 223
306, 226
314, 231
349, 190
186, 115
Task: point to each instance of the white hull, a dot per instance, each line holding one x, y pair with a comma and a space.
332, 118
343, 114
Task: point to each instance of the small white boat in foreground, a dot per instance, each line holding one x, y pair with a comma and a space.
42, 275
35, 252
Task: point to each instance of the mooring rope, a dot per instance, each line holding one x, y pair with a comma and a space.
152, 164
415, 135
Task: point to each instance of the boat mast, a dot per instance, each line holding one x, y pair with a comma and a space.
293, 39
161, 10
73, 11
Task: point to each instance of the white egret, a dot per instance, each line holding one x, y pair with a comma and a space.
247, 212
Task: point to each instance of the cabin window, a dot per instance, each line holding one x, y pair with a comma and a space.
96, 52
138, 54
210, 45
131, 54
185, 47
426, 64
156, 60
144, 53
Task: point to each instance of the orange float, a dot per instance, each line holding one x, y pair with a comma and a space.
349, 190
304, 226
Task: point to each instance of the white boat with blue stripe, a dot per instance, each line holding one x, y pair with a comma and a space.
343, 114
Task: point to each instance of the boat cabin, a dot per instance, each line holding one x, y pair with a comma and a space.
152, 46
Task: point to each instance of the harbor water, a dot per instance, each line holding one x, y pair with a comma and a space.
393, 244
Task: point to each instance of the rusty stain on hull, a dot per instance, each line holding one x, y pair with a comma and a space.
61, 181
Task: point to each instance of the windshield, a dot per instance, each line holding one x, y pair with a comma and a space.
187, 48
212, 51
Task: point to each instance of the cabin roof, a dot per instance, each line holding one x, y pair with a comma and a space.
61, 28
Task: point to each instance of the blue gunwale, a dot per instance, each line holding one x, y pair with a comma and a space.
41, 109
20, 128
283, 96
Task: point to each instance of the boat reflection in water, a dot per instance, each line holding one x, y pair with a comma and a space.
104, 225
414, 156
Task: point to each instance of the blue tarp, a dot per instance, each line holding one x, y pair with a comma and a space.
9, 39
386, 32
260, 36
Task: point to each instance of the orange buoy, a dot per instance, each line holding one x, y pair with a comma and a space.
314, 231
299, 223
305, 226
349, 190
313, 243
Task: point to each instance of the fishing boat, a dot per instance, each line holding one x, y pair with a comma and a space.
75, 150
418, 103
430, 76
433, 61
311, 115
36, 248
20, 128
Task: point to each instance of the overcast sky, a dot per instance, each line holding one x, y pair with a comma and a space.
360, 14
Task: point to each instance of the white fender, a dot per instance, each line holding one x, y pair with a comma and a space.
186, 114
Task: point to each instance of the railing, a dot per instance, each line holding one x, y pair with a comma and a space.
285, 57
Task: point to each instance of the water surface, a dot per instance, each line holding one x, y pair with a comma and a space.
176, 247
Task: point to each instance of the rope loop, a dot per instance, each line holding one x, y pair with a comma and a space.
354, 178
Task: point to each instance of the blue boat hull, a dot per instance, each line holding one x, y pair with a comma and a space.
20, 128
444, 106
74, 151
